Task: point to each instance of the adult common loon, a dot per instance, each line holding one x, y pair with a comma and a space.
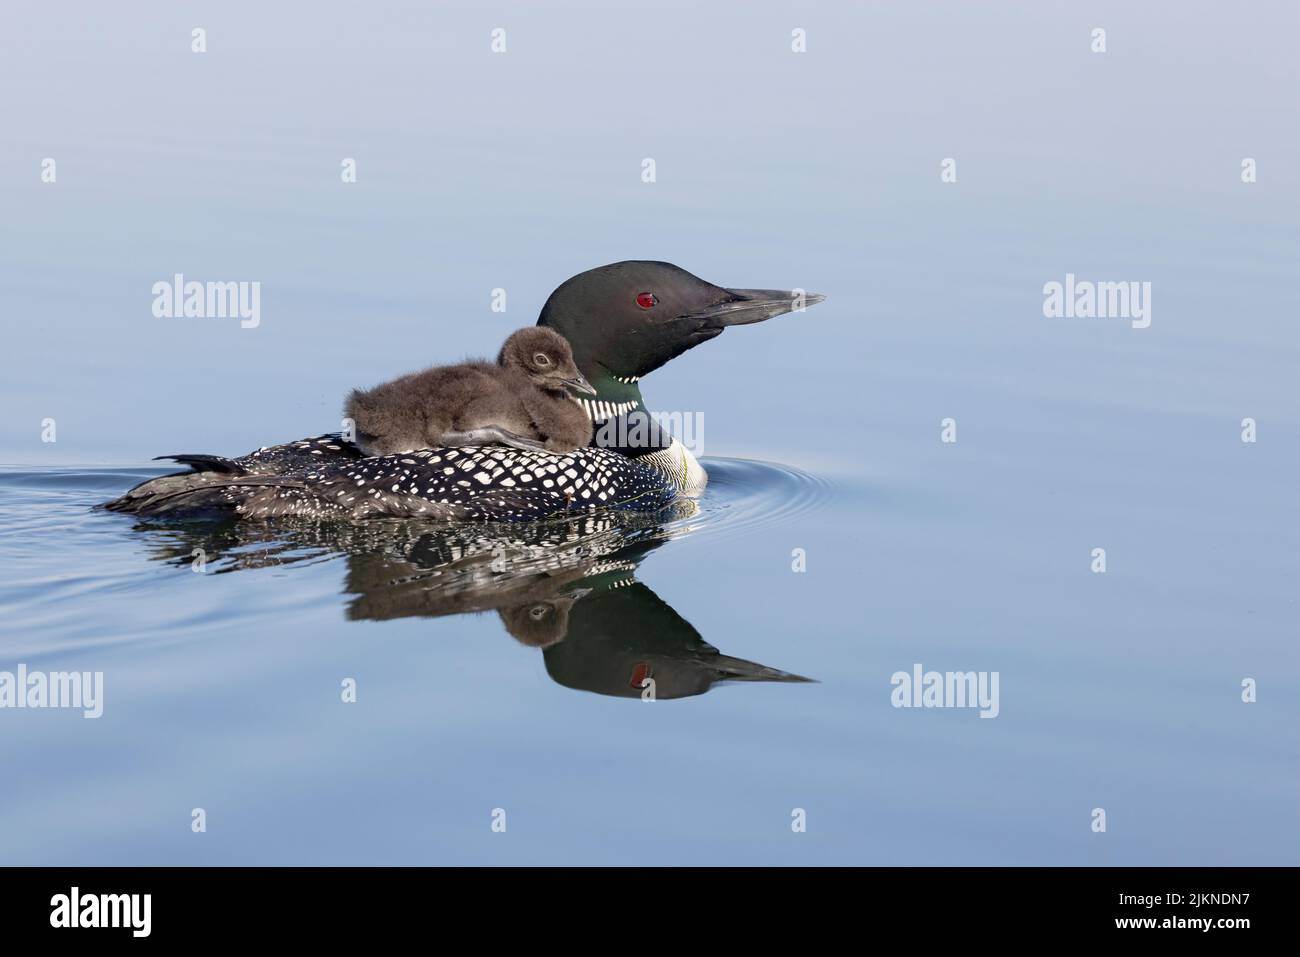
623, 321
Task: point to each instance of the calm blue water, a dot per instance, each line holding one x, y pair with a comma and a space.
477, 171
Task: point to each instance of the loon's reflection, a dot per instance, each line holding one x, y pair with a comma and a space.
567, 588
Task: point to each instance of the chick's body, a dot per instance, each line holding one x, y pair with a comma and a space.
521, 400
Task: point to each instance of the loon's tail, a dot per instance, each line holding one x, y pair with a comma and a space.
262, 484
210, 491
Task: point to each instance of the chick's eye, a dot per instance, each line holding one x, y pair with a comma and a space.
646, 300
542, 359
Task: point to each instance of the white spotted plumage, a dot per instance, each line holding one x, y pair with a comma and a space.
488, 484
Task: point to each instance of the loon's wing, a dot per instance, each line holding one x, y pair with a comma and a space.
275, 459
206, 463
316, 452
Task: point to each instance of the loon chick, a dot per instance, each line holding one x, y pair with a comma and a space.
521, 401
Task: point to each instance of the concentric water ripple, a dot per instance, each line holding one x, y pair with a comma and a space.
745, 495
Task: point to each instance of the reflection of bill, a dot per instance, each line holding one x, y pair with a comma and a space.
624, 640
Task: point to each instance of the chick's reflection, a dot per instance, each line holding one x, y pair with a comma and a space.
541, 624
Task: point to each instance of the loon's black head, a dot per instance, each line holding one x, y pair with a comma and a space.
627, 319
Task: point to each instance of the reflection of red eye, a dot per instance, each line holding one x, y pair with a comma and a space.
646, 299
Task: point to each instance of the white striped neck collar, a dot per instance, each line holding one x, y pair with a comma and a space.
601, 410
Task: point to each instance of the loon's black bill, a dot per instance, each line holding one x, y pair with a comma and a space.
754, 305
579, 384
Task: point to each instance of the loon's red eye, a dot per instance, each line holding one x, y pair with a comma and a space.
646, 300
